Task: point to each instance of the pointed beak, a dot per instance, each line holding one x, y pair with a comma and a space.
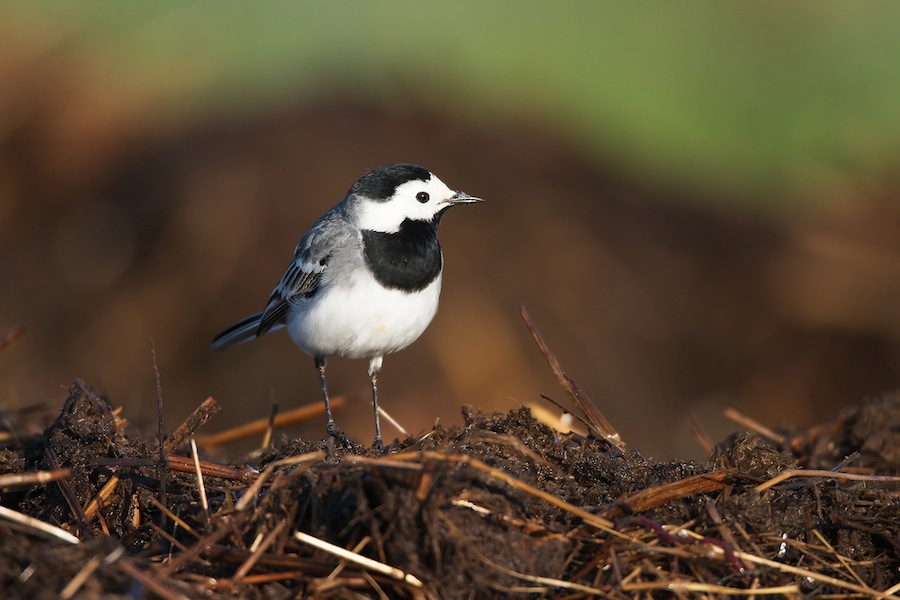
464, 198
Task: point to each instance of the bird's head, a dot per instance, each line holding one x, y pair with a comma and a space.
386, 197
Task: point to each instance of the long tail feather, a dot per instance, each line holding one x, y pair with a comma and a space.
238, 333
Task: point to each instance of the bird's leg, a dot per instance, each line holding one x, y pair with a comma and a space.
330, 425
374, 368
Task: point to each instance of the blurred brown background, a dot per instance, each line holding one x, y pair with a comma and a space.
698, 210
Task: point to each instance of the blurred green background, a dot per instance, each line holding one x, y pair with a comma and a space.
697, 199
761, 99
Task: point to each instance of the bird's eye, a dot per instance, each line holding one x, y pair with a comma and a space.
423, 197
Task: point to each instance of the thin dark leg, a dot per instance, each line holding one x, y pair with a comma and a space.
377, 444
330, 425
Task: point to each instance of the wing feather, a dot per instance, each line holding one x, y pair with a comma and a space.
303, 277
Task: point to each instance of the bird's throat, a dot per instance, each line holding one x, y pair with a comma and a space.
408, 259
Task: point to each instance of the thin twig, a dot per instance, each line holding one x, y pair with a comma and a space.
752, 425
169, 537
183, 464
270, 577
80, 577
356, 549
162, 436
508, 479
69, 494
644, 500
87, 570
700, 434
527, 526
597, 423
267, 438
724, 531
363, 561
842, 560
310, 457
201, 487
486, 436
258, 552
17, 480
175, 517
371, 581
251, 492
393, 421
150, 581
105, 492
256, 427
555, 421
544, 581
195, 421
206, 544
394, 461
685, 537
827, 474
785, 568
695, 586
37, 526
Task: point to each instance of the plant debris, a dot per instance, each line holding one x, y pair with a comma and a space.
500, 506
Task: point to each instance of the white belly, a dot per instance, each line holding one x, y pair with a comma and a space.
361, 319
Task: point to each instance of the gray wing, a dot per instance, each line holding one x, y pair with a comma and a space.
303, 276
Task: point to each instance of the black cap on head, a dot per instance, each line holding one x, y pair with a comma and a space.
381, 183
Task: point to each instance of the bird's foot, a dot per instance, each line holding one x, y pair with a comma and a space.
331, 428
343, 442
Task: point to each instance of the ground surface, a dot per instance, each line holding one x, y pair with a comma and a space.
501, 506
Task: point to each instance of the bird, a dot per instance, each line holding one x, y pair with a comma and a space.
364, 280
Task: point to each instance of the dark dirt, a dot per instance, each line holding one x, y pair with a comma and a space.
439, 508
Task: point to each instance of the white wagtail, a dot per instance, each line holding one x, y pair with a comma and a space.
365, 278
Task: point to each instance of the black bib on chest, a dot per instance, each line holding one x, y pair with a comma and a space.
407, 260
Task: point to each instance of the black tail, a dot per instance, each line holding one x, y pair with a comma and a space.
238, 333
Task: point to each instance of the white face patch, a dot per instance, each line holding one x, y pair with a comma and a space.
386, 216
